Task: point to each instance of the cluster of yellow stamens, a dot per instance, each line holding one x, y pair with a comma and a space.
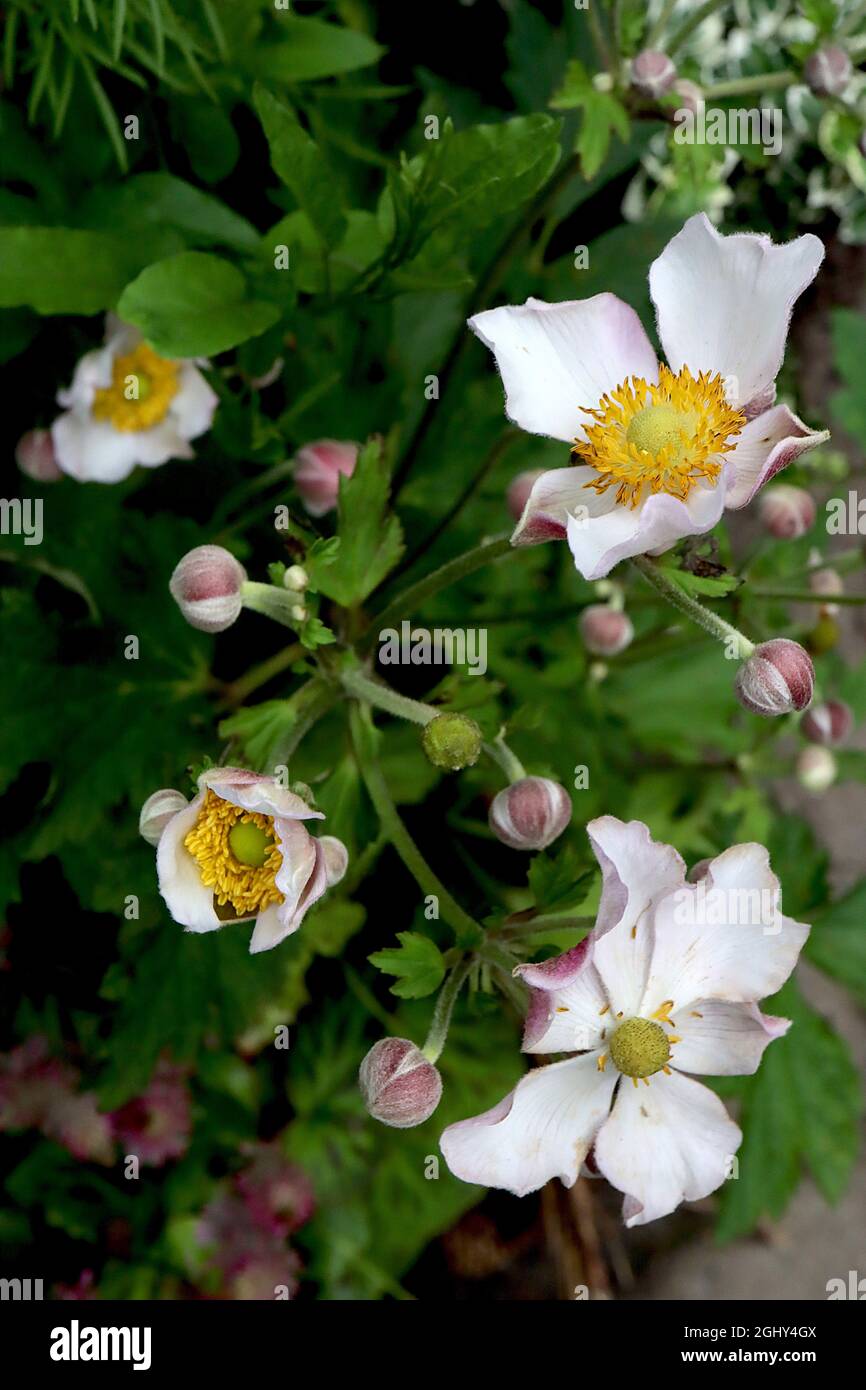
142, 388
639, 1047
238, 855
662, 437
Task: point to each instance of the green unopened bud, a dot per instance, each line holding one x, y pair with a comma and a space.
296, 578
452, 741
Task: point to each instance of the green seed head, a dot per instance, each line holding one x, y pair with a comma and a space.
657, 425
639, 1047
452, 741
249, 844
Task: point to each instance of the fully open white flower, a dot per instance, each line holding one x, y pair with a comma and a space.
239, 850
659, 451
127, 405
664, 986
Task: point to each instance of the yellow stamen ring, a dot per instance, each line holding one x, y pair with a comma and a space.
142, 388
217, 843
639, 1048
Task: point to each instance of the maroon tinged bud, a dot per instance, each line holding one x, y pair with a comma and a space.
530, 814
604, 630
400, 1087
519, 489
652, 74
34, 455
786, 512
206, 586
828, 71
828, 723
777, 678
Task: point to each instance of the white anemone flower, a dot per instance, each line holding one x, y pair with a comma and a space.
127, 405
659, 451
665, 986
240, 851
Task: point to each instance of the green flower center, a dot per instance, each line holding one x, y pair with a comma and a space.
657, 426
639, 1047
250, 844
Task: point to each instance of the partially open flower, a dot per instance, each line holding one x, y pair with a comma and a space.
605, 631
652, 73
786, 512
828, 723
664, 987
318, 469
206, 586
400, 1087
34, 455
519, 489
240, 851
658, 452
828, 71
127, 405
159, 808
452, 741
816, 769
777, 678
531, 813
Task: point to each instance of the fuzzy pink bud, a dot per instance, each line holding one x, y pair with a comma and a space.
34, 455
400, 1087
777, 678
530, 814
786, 512
827, 584
157, 811
828, 71
206, 586
652, 74
519, 489
816, 769
690, 94
828, 723
318, 469
604, 630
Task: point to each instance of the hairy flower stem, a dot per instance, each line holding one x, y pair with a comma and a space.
468, 932
441, 1020
695, 19
704, 617
235, 692
449, 573
501, 754
272, 602
739, 86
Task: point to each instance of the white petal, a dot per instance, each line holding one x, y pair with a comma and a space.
765, 446
724, 937
542, 1130
93, 372
555, 497
636, 871
91, 451
187, 899
253, 791
719, 1039
556, 360
566, 1000
192, 409
724, 302
302, 878
600, 542
336, 858
665, 1143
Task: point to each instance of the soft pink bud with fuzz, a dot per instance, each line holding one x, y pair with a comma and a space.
157, 811
530, 814
828, 723
786, 512
827, 584
34, 455
318, 469
816, 769
400, 1087
828, 71
206, 586
519, 489
777, 678
690, 94
604, 630
652, 73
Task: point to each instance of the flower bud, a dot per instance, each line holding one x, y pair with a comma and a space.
336, 858
318, 468
34, 454
690, 94
652, 74
296, 578
400, 1087
157, 811
452, 741
828, 723
816, 769
530, 814
824, 635
605, 631
828, 71
206, 586
778, 677
786, 512
519, 489
826, 583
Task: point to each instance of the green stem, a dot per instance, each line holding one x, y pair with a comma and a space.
694, 22
806, 596
272, 602
654, 38
383, 697
468, 932
501, 754
737, 86
441, 1020
237, 691
599, 38
449, 573
680, 600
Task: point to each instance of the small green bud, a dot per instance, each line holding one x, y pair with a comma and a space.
452, 741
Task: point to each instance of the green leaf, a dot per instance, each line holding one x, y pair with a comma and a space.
194, 305
710, 586
603, 114
162, 200
371, 541
63, 270
417, 962
298, 161
803, 1106
311, 49
837, 942
559, 881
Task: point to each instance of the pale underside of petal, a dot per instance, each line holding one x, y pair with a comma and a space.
724, 302
665, 1143
568, 1009
558, 360
724, 937
94, 451
722, 1039
599, 542
765, 446
192, 408
542, 1130
301, 878
252, 791
186, 897
557, 496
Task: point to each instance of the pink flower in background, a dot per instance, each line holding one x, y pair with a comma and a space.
278, 1194
76, 1122
31, 1084
83, 1290
156, 1125
318, 469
